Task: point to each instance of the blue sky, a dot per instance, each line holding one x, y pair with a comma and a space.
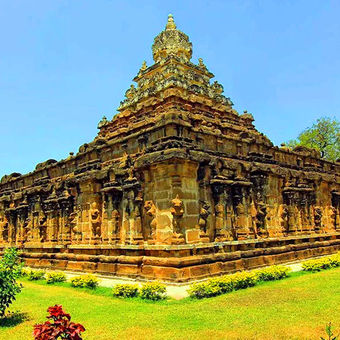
64, 64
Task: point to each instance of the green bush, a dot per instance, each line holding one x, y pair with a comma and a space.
242, 280
153, 291
52, 277
204, 289
125, 290
77, 281
272, 273
25, 271
223, 284
317, 265
10, 270
35, 274
85, 281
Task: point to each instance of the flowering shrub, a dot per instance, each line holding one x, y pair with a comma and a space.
125, 290
317, 265
204, 289
10, 269
52, 277
85, 281
25, 271
35, 274
241, 280
59, 326
272, 273
153, 291
224, 284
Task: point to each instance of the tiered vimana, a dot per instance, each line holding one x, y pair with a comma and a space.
177, 186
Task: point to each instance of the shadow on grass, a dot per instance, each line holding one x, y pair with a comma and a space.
13, 318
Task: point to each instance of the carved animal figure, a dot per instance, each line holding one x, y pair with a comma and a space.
177, 207
151, 211
159, 220
177, 211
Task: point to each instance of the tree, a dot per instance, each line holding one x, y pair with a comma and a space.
324, 136
10, 270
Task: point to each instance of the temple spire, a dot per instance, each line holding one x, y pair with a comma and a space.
171, 23
171, 43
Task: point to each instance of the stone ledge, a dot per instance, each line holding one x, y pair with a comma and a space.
177, 266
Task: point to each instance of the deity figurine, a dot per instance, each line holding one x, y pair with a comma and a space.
76, 234
317, 219
115, 225
283, 218
261, 219
137, 215
95, 221
42, 228
253, 214
219, 222
27, 230
203, 217
332, 217
151, 211
3, 229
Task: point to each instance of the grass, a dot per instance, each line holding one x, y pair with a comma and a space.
295, 308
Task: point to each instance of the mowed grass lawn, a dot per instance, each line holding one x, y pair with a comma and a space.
295, 308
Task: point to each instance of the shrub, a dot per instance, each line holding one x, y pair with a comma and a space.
59, 326
317, 265
52, 277
125, 290
205, 289
272, 273
77, 281
35, 274
223, 284
153, 291
10, 269
243, 280
25, 271
85, 281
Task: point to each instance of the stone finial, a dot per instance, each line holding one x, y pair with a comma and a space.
217, 87
171, 42
171, 23
103, 122
144, 66
201, 63
130, 93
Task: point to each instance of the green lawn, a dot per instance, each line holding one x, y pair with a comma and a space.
295, 308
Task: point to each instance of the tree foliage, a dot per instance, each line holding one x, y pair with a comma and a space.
324, 136
10, 269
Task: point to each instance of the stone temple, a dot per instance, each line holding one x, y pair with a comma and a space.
177, 186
